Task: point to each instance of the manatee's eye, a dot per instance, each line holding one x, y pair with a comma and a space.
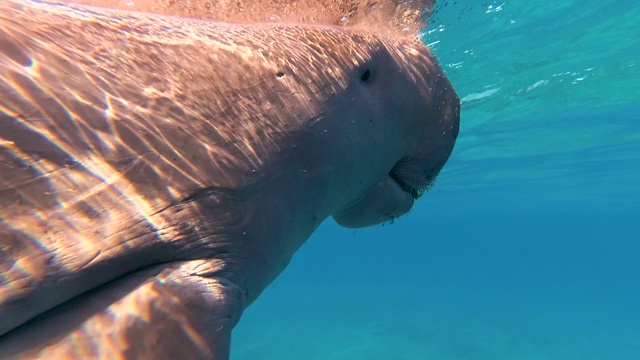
367, 74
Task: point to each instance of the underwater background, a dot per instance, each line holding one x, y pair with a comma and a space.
528, 247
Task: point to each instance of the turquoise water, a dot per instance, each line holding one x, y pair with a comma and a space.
528, 246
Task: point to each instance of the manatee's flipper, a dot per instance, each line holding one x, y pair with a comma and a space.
174, 312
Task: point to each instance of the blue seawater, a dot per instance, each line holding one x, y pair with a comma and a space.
528, 247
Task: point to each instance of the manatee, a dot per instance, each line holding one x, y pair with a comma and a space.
158, 172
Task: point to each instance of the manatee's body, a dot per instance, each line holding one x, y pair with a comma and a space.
157, 173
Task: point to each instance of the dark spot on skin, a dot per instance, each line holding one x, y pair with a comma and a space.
71, 163
185, 229
280, 74
87, 210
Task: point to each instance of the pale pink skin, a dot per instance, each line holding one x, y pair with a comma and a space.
158, 173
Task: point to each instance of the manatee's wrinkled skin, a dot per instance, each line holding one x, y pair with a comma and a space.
157, 173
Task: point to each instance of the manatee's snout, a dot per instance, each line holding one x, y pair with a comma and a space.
416, 173
435, 127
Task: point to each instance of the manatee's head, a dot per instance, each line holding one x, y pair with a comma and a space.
418, 110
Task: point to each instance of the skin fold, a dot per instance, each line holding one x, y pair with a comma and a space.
157, 173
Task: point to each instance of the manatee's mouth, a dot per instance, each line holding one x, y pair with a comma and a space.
415, 193
392, 196
414, 182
